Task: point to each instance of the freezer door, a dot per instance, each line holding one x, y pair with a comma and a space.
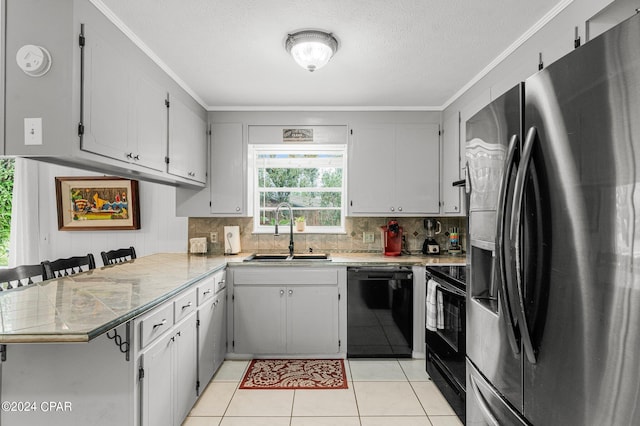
583, 118
485, 406
492, 333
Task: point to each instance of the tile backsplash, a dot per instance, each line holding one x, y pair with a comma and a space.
351, 241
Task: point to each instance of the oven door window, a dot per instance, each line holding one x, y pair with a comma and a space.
453, 311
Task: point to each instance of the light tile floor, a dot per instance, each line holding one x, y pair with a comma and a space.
381, 392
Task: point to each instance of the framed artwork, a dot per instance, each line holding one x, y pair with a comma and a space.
97, 203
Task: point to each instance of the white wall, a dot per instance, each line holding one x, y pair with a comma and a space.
160, 231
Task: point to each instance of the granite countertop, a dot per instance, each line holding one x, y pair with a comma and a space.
81, 307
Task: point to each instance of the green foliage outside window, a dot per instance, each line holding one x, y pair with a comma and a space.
310, 179
6, 194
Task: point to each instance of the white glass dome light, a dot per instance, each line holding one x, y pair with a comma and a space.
311, 49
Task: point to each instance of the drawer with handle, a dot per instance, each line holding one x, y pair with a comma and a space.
184, 305
206, 289
155, 324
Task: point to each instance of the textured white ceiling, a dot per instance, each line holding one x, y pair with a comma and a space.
401, 54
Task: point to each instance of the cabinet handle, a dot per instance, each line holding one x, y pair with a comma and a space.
237, 209
215, 303
392, 209
399, 209
160, 324
179, 333
129, 154
281, 292
188, 305
136, 157
290, 292
206, 292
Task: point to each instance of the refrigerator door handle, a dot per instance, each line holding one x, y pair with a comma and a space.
514, 237
467, 179
482, 403
506, 286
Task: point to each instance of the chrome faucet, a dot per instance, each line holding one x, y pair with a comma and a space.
290, 225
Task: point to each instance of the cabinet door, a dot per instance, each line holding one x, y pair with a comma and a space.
107, 85
372, 159
451, 195
220, 329
187, 142
149, 123
228, 172
206, 343
185, 367
312, 320
259, 319
417, 169
157, 404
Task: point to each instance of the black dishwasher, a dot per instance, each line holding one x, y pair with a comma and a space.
379, 312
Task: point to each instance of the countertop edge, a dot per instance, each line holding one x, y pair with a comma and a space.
339, 259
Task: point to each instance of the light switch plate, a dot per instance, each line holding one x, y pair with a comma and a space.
213, 237
368, 237
33, 131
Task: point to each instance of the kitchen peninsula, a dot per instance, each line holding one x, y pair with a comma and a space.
84, 349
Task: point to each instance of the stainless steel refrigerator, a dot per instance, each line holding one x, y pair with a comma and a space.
553, 301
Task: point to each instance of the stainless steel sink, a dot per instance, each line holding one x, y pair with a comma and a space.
283, 257
311, 256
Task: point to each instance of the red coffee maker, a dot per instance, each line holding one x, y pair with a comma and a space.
392, 238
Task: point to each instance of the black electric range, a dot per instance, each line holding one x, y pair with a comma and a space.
445, 340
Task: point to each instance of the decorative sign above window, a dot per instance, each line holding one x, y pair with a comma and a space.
297, 135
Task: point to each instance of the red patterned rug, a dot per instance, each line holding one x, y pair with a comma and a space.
295, 374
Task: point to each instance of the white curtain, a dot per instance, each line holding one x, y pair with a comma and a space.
25, 229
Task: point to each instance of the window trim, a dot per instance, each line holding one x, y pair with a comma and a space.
255, 149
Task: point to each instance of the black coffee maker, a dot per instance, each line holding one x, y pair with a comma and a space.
430, 245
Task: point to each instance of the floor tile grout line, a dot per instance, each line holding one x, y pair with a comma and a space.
234, 393
293, 401
355, 395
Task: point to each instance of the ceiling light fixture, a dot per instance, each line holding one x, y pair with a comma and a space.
311, 49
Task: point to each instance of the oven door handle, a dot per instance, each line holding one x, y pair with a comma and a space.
448, 288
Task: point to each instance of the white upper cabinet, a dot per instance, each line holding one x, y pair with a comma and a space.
226, 190
149, 129
394, 170
451, 195
106, 97
228, 171
187, 142
102, 104
125, 116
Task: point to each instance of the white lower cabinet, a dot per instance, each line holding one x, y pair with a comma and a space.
168, 376
212, 330
181, 345
281, 311
312, 320
259, 319
220, 329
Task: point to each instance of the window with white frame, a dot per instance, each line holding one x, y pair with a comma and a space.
310, 178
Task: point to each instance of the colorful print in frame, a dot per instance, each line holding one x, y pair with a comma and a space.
97, 203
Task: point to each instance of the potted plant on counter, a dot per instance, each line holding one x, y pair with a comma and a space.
300, 223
